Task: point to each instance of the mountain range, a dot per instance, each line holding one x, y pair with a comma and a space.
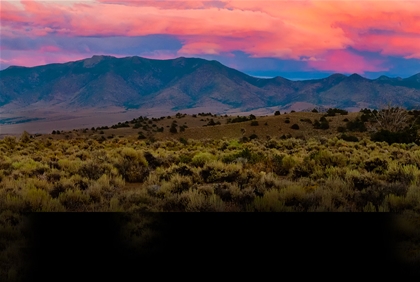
188, 83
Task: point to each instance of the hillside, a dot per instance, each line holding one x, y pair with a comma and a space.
186, 83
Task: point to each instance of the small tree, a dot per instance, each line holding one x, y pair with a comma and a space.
393, 125
25, 137
173, 128
277, 113
392, 119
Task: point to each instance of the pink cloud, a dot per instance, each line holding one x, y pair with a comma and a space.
346, 62
35, 58
49, 48
280, 29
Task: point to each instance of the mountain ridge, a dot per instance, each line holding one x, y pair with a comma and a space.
186, 83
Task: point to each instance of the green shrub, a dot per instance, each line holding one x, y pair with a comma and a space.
404, 136
91, 170
376, 165
349, 138
253, 136
332, 112
74, 200
201, 158
132, 165
356, 125
307, 120
295, 126
173, 127
341, 129
321, 124
219, 172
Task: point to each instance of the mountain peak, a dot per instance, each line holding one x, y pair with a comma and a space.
101, 57
88, 63
356, 76
383, 77
15, 67
337, 75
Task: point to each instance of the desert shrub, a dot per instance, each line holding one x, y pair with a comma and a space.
269, 180
282, 165
292, 196
341, 129
74, 200
173, 129
183, 170
376, 165
240, 119
35, 199
372, 194
180, 183
307, 120
396, 203
254, 123
403, 136
287, 121
202, 158
295, 126
132, 165
183, 140
398, 189
211, 122
325, 159
83, 155
361, 181
95, 193
321, 124
25, 137
356, 125
270, 202
197, 202
277, 113
349, 138
333, 112
413, 196
174, 203
219, 172
253, 136
251, 157
303, 169
272, 144
404, 174
185, 158
91, 170
206, 189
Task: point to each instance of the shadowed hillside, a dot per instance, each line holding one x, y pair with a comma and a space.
187, 83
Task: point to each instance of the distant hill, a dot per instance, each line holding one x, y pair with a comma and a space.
187, 83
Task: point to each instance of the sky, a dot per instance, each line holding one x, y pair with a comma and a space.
300, 39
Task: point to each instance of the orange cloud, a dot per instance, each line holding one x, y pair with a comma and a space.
280, 29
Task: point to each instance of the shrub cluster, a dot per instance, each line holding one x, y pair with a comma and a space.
241, 119
332, 112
